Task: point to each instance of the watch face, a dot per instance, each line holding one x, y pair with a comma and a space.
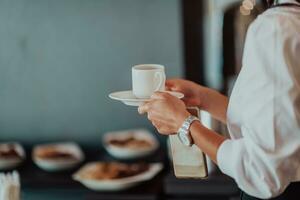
184, 139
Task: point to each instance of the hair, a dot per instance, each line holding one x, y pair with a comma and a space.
270, 2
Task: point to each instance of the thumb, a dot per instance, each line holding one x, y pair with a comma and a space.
169, 83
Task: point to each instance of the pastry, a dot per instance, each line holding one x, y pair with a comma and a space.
113, 170
52, 152
130, 142
9, 151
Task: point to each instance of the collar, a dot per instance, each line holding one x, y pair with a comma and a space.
287, 1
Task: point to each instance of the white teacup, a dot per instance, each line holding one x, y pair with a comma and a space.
147, 79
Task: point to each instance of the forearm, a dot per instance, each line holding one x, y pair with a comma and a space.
216, 104
207, 140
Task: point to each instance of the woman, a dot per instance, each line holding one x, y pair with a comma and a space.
262, 115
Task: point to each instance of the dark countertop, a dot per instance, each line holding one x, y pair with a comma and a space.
38, 184
36, 181
216, 185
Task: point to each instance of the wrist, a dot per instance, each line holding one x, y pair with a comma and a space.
203, 96
193, 127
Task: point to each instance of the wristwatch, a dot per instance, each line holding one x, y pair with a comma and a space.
184, 134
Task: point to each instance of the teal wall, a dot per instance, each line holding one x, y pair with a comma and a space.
59, 59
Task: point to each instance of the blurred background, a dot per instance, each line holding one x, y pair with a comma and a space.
59, 60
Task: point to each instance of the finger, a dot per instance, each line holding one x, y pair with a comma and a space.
187, 101
155, 123
168, 88
144, 108
150, 116
190, 102
170, 85
170, 82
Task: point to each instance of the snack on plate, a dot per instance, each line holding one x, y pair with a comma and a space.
113, 170
9, 151
115, 176
52, 152
57, 156
12, 154
131, 142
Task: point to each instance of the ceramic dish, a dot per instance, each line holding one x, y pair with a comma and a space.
128, 98
7, 163
126, 152
58, 164
116, 184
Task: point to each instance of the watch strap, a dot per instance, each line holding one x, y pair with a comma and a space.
184, 131
188, 122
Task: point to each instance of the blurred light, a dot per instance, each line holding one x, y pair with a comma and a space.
248, 4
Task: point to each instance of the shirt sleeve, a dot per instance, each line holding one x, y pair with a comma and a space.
266, 158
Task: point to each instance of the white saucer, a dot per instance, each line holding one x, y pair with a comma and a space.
52, 165
115, 184
128, 98
123, 152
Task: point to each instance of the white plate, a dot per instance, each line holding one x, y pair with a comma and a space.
128, 98
117, 184
59, 164
130, 153
10, 163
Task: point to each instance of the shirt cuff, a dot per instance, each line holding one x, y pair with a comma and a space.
224, 157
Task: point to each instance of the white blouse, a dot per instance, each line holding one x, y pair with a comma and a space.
263, 154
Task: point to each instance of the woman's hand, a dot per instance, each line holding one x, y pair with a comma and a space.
166, 112
194, 94
202, 97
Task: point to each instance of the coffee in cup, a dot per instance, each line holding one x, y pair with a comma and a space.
147, 79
